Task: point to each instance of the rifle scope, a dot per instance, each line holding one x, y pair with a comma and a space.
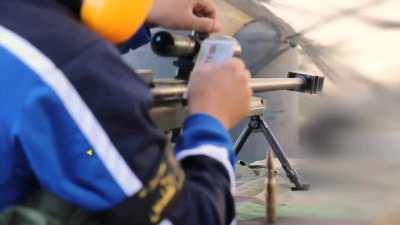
166, 44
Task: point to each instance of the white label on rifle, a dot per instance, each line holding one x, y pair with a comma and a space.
216, 50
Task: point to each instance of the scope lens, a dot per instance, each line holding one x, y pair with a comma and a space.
162, 43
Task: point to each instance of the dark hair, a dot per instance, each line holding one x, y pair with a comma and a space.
74, 5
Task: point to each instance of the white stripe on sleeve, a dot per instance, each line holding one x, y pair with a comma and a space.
76, 107
217, 153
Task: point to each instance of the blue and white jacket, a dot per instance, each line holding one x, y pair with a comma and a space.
74, 121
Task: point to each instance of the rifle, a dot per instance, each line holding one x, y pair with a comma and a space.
170, 109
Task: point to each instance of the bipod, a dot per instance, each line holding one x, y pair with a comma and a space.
258, 124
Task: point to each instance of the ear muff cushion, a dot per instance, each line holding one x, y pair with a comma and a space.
115, 20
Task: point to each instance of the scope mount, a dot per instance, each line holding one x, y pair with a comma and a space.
184, 48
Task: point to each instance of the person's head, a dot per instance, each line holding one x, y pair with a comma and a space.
114, 20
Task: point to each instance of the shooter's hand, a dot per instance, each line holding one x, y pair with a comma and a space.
199, 15
221, 91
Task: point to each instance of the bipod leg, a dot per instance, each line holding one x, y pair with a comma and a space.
242, 139
291, 173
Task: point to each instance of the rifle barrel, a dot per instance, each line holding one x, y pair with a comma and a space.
162, 90
276, 84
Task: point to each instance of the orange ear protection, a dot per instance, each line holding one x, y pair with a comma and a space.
115, 20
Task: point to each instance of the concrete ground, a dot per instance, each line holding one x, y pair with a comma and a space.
343, 192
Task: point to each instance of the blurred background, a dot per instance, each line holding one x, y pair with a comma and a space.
349, 138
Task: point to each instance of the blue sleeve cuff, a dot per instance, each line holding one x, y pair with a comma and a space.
203, 129
142, 37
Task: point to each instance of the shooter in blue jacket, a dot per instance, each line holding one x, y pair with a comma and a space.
74, 119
